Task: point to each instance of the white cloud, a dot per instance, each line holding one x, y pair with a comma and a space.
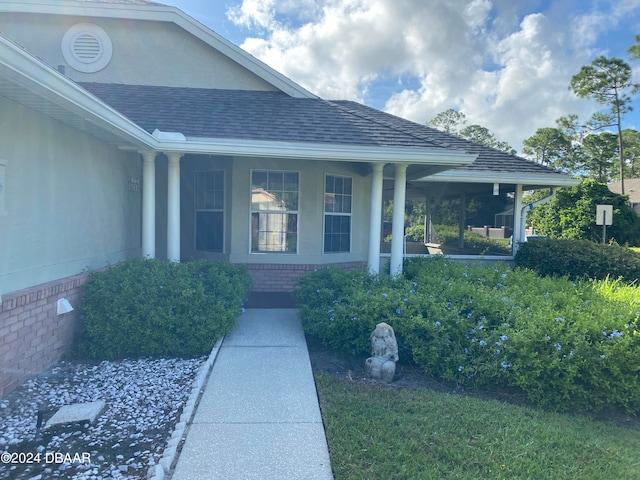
507, 66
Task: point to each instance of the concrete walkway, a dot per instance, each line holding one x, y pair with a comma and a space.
258, 417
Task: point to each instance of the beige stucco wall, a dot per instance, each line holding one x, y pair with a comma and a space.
311, 213
68, 204
144, 52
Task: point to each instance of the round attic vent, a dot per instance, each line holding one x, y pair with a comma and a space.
87, 48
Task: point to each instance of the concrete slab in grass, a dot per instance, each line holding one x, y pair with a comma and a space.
77, 412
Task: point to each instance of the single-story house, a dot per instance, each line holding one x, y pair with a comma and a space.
130, 129
631, 189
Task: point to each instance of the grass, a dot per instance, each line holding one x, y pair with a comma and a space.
382, 433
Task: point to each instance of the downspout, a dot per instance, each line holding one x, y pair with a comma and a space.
523, 217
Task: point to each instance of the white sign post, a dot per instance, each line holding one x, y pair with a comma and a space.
604, 217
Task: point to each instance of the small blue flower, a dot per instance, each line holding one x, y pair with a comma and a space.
405, 299
602, 356
504, 337
469, 315
415, 284
615, 333
332, 318
354, 318
330, 310
483, 342
242, 310
505, 365
473, 330
498, 352
571, 353
412, 291
385, 295
460, 368
559, 319
474, 340
498, 343
604, 333
558, 346
504, 275
438, 324
398, 311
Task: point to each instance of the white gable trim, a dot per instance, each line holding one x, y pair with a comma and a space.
41, 86
161, 13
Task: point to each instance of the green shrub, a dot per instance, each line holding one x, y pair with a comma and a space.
450, 236
562, 344
149, 308
579, 258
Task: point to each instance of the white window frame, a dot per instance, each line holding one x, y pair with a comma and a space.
252, 211
223, 210
340, 214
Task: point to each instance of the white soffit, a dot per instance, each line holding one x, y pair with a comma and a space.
24, 79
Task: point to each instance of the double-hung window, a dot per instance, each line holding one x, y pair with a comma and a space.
210, 211
274, 211
337, 214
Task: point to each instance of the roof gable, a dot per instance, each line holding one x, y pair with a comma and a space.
162, 14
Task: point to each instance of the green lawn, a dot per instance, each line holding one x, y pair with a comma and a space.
382, 433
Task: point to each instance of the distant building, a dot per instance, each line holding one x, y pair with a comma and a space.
632, 189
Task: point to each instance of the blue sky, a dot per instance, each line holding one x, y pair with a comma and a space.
505, 64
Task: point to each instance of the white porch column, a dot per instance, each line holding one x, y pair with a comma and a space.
518, 227
397, 231
462, 220
375, 218
148, 204
173, 208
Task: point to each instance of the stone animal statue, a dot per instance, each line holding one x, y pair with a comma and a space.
384, 354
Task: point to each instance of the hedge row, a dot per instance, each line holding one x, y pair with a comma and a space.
579, 259
150, 308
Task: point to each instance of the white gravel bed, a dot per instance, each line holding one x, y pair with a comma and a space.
144, 400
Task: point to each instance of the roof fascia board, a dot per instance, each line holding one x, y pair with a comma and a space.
167, 14
20, 67
316, 151
536, 179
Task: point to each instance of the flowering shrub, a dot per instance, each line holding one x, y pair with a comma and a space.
563, 344
149, 308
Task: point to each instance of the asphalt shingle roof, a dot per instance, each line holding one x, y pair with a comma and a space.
276, 116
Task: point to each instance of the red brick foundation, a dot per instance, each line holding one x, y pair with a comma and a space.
268, 277
32, 335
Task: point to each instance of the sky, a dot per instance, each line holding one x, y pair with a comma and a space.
505, 64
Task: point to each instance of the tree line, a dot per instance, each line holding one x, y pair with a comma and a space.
598, 148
